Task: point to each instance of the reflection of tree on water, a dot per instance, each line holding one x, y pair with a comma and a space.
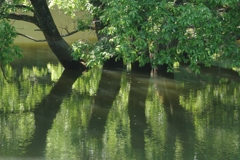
16, 130
68, 137
215, 110
117, 138
180, 130
170, 133
127, 116
136, 111
167, 126
114, 128
49, 107
108, 89
18, 99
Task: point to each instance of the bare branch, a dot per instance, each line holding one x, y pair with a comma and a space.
75, 31
70, 33
31, 38
44, 40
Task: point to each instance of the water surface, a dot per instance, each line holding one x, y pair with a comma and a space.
49, 113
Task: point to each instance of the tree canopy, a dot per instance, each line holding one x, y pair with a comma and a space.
149, 32
165, 32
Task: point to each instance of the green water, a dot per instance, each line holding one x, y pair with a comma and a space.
49, 113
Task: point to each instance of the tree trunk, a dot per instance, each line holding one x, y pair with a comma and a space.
58, 45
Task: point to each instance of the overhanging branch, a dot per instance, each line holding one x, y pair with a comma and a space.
70, 33
75, 31
31, 38
23, 17
44, 40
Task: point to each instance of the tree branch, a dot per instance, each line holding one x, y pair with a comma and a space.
23, 17
69, 33
75, 31
31, 38
44, 40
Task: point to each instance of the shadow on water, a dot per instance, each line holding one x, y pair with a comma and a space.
123, 115
180, 125
108, 89
46, 111
136, 109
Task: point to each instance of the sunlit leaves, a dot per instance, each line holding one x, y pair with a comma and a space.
94, 54
165, 33
70, 6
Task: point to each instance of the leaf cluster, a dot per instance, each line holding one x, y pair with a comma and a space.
164, 32
8, 51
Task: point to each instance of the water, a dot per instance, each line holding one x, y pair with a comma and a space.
48, 113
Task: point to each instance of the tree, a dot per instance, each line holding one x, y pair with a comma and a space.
164, 32
151, 32
38, 14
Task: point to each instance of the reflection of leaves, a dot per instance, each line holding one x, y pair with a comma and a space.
89, 81
198, 101
116, 139
215, 109
55, 70
223, 80
16, 133
65, 139
216, 143
68, 138
25, 91
156, 119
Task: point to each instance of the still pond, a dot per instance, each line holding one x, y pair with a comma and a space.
104, 114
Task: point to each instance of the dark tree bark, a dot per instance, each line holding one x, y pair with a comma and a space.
58, 45
98, 23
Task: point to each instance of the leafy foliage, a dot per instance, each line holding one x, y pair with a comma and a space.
164, 32
155, 32
7, 50
69, 7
